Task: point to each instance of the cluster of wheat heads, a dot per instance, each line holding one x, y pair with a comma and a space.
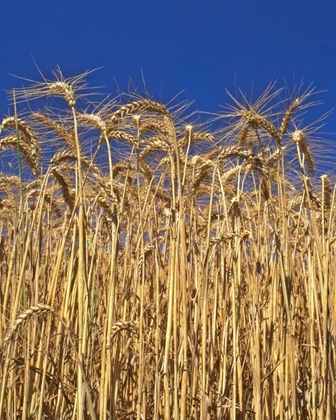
155, 268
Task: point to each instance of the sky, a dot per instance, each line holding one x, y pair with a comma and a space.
202, 48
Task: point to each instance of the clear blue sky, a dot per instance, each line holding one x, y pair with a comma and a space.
201, 47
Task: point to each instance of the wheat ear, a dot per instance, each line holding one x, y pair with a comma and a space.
288, 115
138, 106
22, 319
299, 137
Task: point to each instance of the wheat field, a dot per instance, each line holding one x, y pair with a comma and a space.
156, 265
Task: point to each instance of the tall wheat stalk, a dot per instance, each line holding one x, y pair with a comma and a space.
169, 269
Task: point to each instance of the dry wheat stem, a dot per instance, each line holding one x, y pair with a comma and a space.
189, 269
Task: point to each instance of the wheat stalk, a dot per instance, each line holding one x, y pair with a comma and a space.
138, 106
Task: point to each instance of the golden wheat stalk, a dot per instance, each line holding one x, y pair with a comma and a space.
299, 137
152, 125
70, 89
326, 191
30, 153
67, 191
117, 134
22, 319
138, 106
61, 130
256, 121
288, 115
243, 136
13, 122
